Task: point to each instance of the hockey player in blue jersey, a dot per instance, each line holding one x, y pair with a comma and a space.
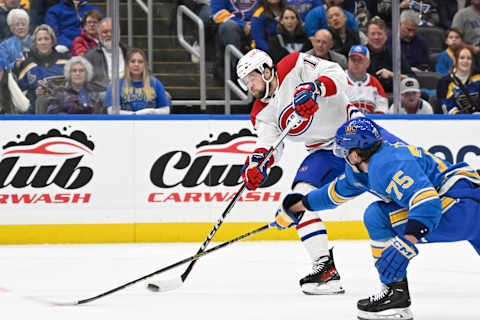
424, 199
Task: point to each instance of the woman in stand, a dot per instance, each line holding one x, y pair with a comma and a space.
15, 49
459, 91
88, 38
140, 93
290, 36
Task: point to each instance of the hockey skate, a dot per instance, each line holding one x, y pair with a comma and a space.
389, 304
324, 279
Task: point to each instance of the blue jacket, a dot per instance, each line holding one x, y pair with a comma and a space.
11, 48
5, 31
65, 20
444, 62
262, 29
316, 19
416, 51
304, 6
455, 100
37, 68
239, 11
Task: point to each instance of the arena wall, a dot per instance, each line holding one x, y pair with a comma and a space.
93, 179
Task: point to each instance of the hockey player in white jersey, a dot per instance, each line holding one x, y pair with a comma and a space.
314, 89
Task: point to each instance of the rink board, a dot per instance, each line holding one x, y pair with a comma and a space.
92, 179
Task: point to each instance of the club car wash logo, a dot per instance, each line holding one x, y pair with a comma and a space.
215, 165
35, 168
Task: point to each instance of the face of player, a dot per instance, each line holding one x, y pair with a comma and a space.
453, 40
289, 21
44, 42
336, 18
136, 66
464, 63
358, 65
376, 37
407, 30
255, 84
78, 75
20, 27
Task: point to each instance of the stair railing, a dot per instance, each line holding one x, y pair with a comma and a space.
147, 8
200, 54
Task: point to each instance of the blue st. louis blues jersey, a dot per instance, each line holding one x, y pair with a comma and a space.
408, 175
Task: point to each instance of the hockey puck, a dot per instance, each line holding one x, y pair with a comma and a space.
153, 287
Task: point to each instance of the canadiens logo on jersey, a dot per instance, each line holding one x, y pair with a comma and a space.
287, 115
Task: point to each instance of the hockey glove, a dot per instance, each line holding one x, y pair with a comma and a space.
304, 99
392, 265
252, 174
284, 218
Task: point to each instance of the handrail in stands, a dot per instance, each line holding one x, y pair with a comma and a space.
147, 8
229, 84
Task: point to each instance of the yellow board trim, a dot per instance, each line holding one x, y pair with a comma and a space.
161, 232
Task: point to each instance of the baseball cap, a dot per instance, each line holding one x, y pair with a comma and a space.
409, 85
359, 50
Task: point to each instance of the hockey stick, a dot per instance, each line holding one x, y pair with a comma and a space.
171, 284
174, 265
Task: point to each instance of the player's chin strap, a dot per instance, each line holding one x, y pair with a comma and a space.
266, 98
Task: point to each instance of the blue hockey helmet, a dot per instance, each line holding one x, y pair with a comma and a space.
361, 133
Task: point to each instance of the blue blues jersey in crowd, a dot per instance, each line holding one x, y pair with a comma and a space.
407, 175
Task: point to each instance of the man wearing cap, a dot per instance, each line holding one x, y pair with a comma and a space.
365, 91
411, 101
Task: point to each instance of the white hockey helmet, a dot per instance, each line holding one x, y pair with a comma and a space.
253, 60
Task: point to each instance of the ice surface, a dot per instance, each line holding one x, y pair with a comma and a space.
248, 280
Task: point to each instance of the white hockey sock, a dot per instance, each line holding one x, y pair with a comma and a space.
313, 234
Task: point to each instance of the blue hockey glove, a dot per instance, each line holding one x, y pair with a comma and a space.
304, 99
392, 265
252, 174
285, 218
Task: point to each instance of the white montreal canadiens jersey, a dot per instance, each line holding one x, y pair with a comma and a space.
317, 132
367, 95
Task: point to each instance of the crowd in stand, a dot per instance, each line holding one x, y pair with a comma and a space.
56, 58
56, 55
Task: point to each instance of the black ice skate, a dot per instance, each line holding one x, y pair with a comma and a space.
324, 279
390, 303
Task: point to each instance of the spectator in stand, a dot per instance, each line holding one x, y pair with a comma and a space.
381, 55
316, 19
364, 10
343, 38
366, 92
88, 38
414, 47
15, 49
467, 20
458, 92
8, 6
43, 62
453, 40
322, 48
264, 22
304, 6
233, 18
446, 12
140, 93
425, 10
65, 19
100, 56
411, 101
40, 8
76, 96
290, 36
12, 100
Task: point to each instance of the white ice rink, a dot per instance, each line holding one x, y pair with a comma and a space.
248, 280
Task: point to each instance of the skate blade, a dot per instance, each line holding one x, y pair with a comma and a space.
391, 314
331, 287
